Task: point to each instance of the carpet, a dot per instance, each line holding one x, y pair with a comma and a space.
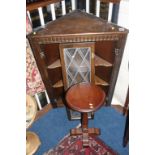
54, 125
72, 145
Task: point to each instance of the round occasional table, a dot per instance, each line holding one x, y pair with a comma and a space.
32, 139
84, 98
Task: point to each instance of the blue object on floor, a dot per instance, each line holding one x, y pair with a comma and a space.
54, 126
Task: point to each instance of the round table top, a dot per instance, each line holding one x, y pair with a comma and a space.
85, 97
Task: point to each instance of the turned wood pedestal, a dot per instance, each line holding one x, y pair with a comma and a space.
84, 98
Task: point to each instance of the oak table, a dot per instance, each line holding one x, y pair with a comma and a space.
84, 98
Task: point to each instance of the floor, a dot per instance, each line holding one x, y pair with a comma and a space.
49, 107
51, 130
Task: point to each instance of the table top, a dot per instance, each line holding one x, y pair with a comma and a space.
85, 24
85, 97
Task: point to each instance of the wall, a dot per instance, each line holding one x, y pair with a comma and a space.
123, 77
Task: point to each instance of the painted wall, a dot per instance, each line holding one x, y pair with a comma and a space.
123, 77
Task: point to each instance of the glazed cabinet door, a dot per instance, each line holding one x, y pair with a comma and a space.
77, 63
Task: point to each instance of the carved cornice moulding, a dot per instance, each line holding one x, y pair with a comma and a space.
78, 38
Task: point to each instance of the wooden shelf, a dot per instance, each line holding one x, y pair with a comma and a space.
99, 81
98, 62
101, 62
58, 84
55, 64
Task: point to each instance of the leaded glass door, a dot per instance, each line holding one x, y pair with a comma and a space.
77, 61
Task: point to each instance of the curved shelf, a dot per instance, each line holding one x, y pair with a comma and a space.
58, 84
55, 64
99, 81
101, 62
98, 62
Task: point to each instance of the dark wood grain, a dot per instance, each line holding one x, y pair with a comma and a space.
106, 50
103, 72
84, 120
85, 24
42, 68
85, 97
55, 75
51, 52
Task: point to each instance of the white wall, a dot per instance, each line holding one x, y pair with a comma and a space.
123, 77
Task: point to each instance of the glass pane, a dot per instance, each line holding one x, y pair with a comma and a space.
78, 65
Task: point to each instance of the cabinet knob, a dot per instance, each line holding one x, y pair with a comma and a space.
117, 51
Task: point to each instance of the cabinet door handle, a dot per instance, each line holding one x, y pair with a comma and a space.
117, 51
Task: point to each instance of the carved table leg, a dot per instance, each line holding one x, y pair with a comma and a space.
84, 120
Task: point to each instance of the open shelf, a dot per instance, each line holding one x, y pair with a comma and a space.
98, 62
99, 81
58, 84
55, 64
101, 62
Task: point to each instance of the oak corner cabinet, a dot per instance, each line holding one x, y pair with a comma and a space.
78, 47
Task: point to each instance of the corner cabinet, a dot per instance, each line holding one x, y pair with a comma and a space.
78, 47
